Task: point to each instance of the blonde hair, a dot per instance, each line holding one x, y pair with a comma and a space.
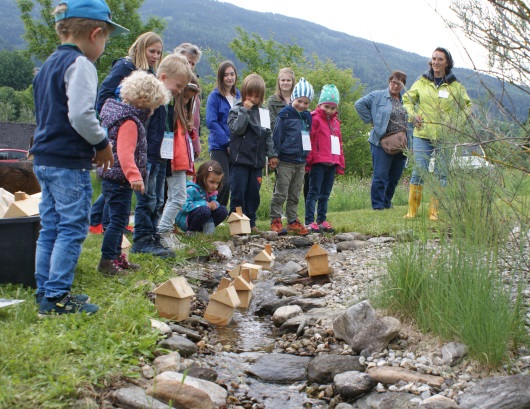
137, 51
183, 108
253, 84
173, 65
144, 91
78, 27
285, 71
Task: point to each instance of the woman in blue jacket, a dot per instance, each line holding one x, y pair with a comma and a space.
383, 109
218, 105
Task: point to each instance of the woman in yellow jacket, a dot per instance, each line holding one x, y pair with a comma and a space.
439, 106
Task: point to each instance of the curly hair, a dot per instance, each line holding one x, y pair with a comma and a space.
144, 91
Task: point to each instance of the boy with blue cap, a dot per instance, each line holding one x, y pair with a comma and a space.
67, 140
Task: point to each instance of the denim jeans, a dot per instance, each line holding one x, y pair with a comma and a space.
245, 185
224, 192
64, 213
176, 197
289, 184
149, 205
118, 197
321, 178
423, 150
199, 216
99, 214
387, 172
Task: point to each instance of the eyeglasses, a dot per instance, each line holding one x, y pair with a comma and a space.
396, 83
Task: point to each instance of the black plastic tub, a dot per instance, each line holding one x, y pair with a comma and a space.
18, 242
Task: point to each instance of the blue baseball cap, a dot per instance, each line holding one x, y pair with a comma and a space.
90, 9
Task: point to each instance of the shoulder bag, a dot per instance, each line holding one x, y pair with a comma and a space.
394, 143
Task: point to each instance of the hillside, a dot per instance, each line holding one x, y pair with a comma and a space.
211, 25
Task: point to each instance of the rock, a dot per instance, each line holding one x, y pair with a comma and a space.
269, 235
390, 375
352, 384
282, 314
180, 395
343, 405
190, 334
438, 402
268, 306
301, 242
395, 400
348, 323
136, 398
350, 245
283, 291
376, 336
223, 250
307, 304
349, 236
291, 268
323, 368
206, 374
183, 345
216, 393
169, 362
452, 352
502, 392
162, 327
280, 368
148, 372
379, 240
312, 317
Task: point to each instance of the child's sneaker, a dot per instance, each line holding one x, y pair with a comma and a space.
148, 245
97, 229
170, 240
110, 268
65, 305
125, 264
298, 228
314, 228
326, 227
78, 297
277, 226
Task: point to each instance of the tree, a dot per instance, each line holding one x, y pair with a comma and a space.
42, 40
16, 70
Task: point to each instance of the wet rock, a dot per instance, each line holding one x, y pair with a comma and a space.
452, 352
183, 345
190, 334
353, 383
291, 268
376, 400
350, 245
180, 395
206, 374
390, 375
279, 368
438, 402
282, 291
323, 368
216, 393
135, 398
307, 304
301, 242
503, 392
282, 314
169, 362
268, 306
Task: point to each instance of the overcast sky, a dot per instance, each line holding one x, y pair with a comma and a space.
411, 25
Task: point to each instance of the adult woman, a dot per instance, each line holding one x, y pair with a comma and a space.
218, 105
284, 88
384, 110
438, 106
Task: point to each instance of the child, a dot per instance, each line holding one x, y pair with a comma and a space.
174, 72
291, 141
144, 54
140, 94
181, 165
68, 138
284, 89
325, 159
250, 144
202, 212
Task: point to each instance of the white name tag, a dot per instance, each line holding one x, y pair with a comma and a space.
166, 150
335, 145
192, 152
306, 141
265, 118
443, 93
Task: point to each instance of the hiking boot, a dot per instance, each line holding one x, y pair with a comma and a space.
125, 264
97, 229
110, 268
326, 227
314, 228
277, 226
66, 304
81, 298
148, 245
170, 241
298, 228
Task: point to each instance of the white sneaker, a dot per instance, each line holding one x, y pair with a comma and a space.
171, 241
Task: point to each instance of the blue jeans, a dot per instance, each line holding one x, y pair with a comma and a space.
149, 205
423, 150
118, 197
99, 214
64, 213
321, 178
245, 185
387, 172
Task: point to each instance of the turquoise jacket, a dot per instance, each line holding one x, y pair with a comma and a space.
196, 196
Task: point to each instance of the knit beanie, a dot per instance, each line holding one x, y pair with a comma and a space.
329, 95
303, 89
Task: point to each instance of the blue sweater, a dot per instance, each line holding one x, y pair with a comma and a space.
217, 109
196, 197
67, 127
287, 135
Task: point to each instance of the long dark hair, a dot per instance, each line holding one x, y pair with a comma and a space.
221, 75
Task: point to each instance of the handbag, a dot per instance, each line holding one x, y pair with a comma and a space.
394, 143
